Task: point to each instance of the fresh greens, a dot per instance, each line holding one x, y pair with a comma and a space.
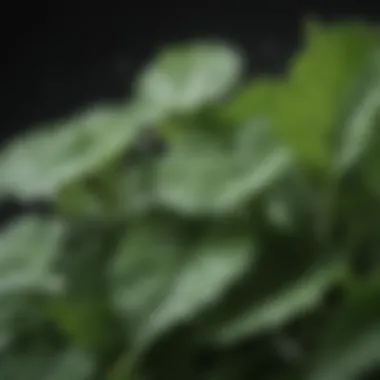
246, 248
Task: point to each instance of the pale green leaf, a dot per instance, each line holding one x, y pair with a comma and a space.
212, 267
28, 253
208, 179
186, 77
41, 163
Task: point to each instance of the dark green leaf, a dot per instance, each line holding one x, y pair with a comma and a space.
351, 343
41, 364
282, 305
146, 262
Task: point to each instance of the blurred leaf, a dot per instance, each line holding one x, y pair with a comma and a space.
85, 322
363, 118
41, 364
83, 312
40, 164
73, 364
145, 264
124, 368
291, 203
370, 165
301, 296
255, 99
27, 365
193, 251
184, 78
215, 264
199, 179
77, 201
136, 190
322, 76
351, 343
28, 254
370, 113
360, 130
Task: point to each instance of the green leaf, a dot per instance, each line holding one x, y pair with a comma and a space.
203, 262
280, 306
29, 365
145, 264
351, 344
211, 268
42, 364
255, 99
77, 201
319, 83
359, 131
370, 165
184, 78
73, 364
204, 178
86, 322
28, 254
135, 194
289, 205
361, 125
159, 281
83, 312
125, 367
40, 164
368, 149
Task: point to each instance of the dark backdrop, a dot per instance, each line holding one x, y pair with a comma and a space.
61, 56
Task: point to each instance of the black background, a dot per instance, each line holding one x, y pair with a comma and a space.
60, 56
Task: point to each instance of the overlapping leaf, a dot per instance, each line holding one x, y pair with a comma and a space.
184, 78
28, 252
41, 363
351, 345
280, 306
40, 164
208, 179
145, 264
215, 264
317, 88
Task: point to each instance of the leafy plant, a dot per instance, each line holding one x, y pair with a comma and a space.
246, 247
